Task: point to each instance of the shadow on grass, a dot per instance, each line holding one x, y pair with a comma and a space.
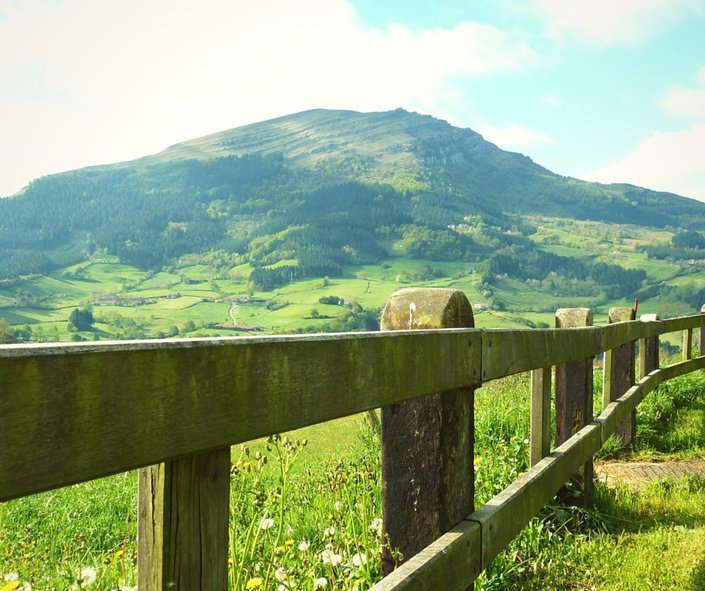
697, 582
671, 501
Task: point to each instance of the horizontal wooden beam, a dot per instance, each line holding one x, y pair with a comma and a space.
507, 352
84, 410
450, 563
78, 413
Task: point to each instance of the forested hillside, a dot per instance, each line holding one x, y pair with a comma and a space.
311, 194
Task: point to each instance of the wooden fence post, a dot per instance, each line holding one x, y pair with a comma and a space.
648, 349
427, 444
183, 524
702, 334
574, 395
540, 431
619, 377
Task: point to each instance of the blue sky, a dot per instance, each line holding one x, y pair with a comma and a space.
607, 90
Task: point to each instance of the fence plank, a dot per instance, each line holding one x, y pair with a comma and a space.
506, 352
427, 444
183, 523
648, 349
503, 517
78, 413
450, 563
540, 430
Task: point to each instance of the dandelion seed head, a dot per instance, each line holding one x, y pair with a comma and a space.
330, 557
266, 523
88, 576
320, 583
359, 559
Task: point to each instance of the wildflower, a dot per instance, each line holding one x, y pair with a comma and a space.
526, 441
359, 559
320, 583
230, 562
12, 577
330, 557
88, 576
289, 543
376, 526
304, 545
280, 574
119, 554
266, 523
253, 583
339, 506
10, 585
279, 550
329, 531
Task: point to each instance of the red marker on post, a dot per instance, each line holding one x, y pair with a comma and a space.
635, 308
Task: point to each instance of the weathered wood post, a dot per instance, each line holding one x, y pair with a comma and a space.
687, 344
427, 444
702, 334
540, 435
574, 404
618, 377
183, 524
648, 349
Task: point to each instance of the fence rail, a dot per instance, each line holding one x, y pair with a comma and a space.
83, 411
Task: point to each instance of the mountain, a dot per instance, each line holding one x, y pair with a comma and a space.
310, 192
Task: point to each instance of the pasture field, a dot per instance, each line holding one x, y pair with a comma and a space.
201, 290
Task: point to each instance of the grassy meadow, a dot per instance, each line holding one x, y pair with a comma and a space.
305, 511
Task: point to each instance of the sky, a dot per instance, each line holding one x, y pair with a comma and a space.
602, 90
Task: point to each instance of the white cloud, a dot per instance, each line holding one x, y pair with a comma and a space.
609, 22
687, 102
89, 81
513, 136
666, 160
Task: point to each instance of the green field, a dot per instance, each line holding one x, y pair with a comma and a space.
189, 298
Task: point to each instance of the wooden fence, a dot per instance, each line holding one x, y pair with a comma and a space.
173, 408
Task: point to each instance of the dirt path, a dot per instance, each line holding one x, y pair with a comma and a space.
636, 475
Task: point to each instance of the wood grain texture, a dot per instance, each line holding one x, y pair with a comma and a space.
619, 370
648, 349
451, 563
574, 398
427, 444
687, 344
540, 415
82, 413
682, 323
183, 522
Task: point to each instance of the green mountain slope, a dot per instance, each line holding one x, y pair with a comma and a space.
308, 193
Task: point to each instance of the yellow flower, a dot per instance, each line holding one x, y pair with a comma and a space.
254, 583
119, 554
279, 550
10, 586
289, 543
